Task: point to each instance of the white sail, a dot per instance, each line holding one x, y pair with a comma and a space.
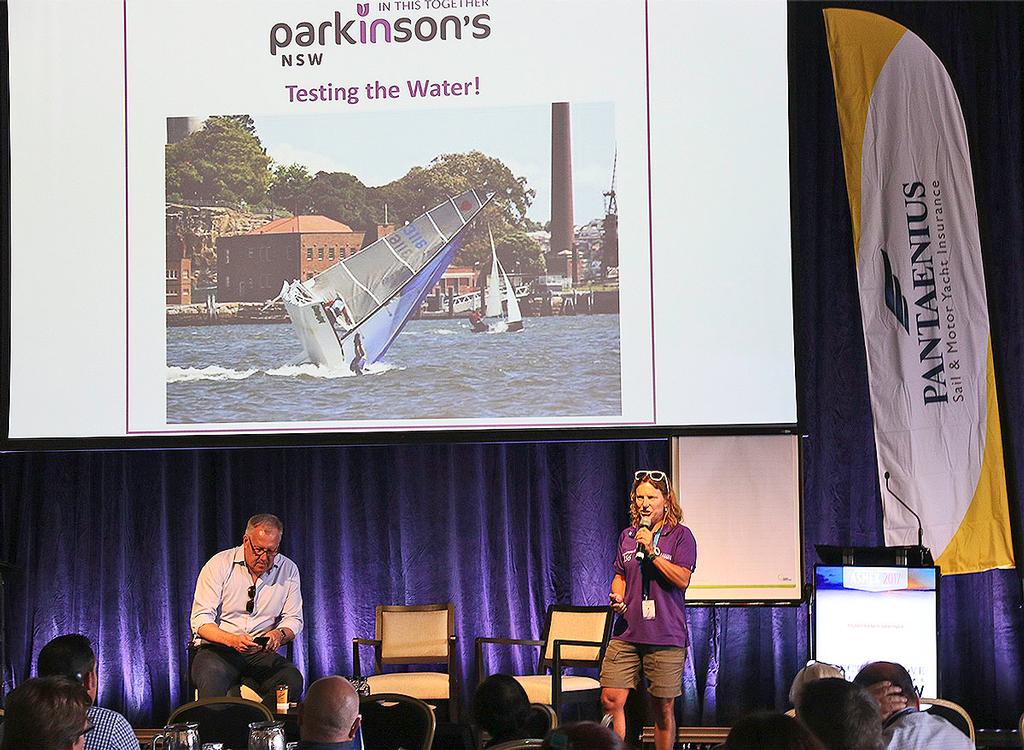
492, 306
514, 315
379, 288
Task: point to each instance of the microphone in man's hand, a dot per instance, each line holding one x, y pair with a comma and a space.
641, 553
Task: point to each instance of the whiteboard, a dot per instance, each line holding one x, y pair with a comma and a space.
740, 496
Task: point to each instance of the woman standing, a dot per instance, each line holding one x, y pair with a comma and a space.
655, 557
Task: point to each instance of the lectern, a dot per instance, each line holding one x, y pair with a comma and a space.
911, 555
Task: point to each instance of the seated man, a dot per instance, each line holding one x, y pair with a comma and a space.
905, 725
243, 593
329, 715
46, 713
71, 656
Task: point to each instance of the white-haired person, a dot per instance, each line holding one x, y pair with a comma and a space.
654, 559
814, 670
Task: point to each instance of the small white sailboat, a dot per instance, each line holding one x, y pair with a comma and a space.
499, 289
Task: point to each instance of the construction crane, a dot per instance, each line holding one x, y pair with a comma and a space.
610, 226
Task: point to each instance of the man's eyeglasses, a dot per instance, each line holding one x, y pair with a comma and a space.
270, 554
251, 604
657, 476
89, 726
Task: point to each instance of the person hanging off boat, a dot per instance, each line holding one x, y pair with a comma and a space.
476, 322
339, 313
359, 361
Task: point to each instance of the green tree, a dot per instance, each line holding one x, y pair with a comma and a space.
222, 164
422, 188
450, 174
519, 253
289, 188
246, 121
343, 197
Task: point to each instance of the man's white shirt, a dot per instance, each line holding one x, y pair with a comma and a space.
222, 592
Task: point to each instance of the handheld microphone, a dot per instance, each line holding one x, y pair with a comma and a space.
920, 527
641, 553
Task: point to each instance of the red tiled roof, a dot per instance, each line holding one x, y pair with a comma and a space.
303, 225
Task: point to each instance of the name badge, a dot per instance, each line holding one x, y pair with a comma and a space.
647, 609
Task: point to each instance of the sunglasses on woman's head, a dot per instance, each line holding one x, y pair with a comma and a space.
836, 667
657, 476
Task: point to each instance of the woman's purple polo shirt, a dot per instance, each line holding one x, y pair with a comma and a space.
668, 628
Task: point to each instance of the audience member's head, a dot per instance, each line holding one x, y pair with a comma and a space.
46, 713
889, 672
842, 714
501, 707
873, 676
329, 712
770, 730
816, 670
583, 735
70, 656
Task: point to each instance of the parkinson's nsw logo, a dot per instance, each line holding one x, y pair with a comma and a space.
340, 29
933, 342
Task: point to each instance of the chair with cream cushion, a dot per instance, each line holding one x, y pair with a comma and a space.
952, 712
573, 637
413, 634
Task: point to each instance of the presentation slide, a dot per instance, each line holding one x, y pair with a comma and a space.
281, 217
865, 614
740, 496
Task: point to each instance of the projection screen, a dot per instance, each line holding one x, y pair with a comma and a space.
284, 217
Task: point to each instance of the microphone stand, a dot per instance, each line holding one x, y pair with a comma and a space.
920, 527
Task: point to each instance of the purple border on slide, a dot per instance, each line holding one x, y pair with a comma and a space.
386, 428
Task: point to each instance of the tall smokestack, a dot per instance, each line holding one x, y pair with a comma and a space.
561, 182
179, 127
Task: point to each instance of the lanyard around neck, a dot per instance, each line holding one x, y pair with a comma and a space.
643, 568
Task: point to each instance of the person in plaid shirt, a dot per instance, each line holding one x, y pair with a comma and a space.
72, 656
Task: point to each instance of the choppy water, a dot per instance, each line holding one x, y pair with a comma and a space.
436, 369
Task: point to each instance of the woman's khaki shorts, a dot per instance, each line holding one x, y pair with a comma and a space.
662, 665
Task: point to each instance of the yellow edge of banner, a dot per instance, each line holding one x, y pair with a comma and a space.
868, 40
982, 541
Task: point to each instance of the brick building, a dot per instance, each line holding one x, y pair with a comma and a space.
251, 267
456, 280
178, 279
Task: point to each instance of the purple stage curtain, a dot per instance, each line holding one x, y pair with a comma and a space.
109, 543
